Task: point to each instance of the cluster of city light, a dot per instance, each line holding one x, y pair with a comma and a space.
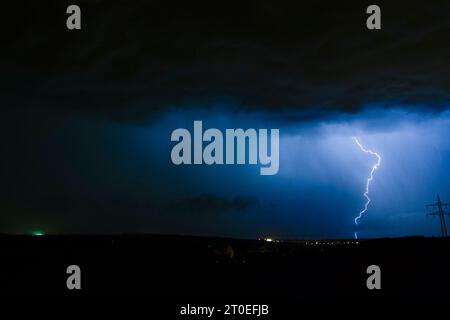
37, 233
269, 239
331, 243
317, 242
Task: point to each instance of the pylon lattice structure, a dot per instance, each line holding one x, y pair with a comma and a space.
441, 213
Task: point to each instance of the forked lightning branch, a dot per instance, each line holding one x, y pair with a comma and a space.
369, 179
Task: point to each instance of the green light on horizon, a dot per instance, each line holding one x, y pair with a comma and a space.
37, 233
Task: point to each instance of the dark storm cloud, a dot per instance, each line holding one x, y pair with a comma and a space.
211, 204
135, 59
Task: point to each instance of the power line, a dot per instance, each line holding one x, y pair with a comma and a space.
441, 213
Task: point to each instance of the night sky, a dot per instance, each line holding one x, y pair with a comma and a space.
86, 116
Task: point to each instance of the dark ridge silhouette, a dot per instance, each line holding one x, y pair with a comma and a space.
188, 268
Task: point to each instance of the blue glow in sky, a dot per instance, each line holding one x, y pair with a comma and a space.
317, 191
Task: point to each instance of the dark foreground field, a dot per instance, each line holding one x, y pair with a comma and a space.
191, 269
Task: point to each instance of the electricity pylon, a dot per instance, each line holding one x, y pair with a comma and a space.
441, 213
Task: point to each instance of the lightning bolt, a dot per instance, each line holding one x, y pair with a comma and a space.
369, 180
